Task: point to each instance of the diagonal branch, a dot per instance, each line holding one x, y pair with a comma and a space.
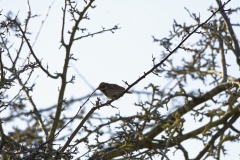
99, 32
34, 55
40, 28
222, 130
65, 67
230, 29
188, 107
147, 143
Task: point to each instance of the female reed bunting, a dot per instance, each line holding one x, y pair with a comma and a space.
111, 90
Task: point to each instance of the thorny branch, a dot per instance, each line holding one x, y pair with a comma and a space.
132, 136
139, 79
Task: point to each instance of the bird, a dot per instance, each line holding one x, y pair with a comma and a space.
111, 90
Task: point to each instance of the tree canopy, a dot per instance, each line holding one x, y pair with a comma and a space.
203, 88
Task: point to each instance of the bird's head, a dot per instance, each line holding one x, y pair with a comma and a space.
102, 86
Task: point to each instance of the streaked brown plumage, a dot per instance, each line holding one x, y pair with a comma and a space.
110, 90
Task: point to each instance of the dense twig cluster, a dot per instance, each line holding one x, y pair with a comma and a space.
148, 133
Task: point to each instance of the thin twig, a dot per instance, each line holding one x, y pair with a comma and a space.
215, 136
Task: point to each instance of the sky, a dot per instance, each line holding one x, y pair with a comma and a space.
107, 57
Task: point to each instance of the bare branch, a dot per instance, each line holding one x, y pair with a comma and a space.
230, 29
222, 130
